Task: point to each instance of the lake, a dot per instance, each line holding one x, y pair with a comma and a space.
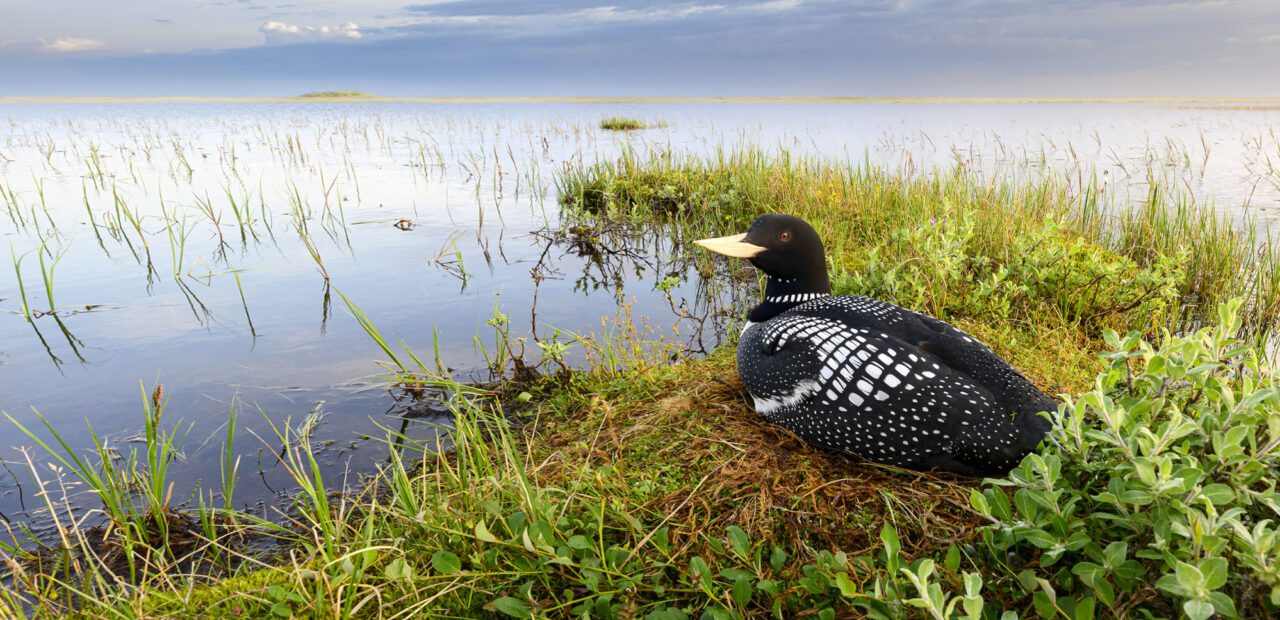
206, 247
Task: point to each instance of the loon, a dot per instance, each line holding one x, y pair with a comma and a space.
867, 378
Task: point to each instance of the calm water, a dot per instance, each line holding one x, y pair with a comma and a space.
431, 217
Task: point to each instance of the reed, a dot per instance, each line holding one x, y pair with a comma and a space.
244, 303
93, 222
177, 241
46, 275
22, 289
44, 205
230, 465
315, 255
241, 210
369, 328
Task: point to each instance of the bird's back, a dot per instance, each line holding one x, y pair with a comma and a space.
870, 378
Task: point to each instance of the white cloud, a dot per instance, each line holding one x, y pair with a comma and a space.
614, 14
776, 5
71, 44
280, 32
1263, 40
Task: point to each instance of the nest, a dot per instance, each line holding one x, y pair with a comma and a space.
763, 478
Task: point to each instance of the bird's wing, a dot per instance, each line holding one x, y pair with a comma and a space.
868, 392
793, 356
939, 341
778, 363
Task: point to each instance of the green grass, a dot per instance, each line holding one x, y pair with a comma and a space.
957, 245
623, 123
636, 487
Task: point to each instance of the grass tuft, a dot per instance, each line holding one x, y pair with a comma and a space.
623, 123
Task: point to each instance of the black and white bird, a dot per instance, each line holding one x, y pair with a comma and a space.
864, 377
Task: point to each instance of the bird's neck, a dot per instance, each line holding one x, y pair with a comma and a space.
781, 295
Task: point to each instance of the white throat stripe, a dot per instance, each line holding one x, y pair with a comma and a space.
795, 298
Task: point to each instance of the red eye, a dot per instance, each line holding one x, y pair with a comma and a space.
786, 236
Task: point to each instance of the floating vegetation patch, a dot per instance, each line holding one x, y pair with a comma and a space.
623, 123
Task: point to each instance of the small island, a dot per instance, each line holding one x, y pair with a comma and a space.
337, 94
622, 123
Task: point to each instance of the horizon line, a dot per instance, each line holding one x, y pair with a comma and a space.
28, 99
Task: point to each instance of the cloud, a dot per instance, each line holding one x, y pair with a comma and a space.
1269, 39
71, 44
627, 9
699, 47
554, 18
606, 14
280, 32
777, 5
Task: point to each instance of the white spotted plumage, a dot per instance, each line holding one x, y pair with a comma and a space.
831, 370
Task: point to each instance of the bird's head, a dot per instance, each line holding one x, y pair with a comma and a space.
788, 250
784, 247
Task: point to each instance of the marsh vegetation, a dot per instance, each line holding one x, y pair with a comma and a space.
624, 123
602, 460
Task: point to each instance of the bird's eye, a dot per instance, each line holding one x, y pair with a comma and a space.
786, 236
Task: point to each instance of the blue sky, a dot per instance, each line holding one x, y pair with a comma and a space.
642, 47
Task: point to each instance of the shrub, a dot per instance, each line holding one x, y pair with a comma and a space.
937, 268
1159, 490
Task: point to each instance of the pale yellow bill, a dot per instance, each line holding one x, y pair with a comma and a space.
733, 245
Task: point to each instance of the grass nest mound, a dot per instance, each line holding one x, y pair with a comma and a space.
715, 463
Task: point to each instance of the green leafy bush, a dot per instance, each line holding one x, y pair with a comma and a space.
1159, 490
1091, 284
938, 267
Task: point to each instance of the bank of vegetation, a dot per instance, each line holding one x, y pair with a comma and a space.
635, 487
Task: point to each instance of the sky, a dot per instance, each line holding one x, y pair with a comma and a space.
428, 48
